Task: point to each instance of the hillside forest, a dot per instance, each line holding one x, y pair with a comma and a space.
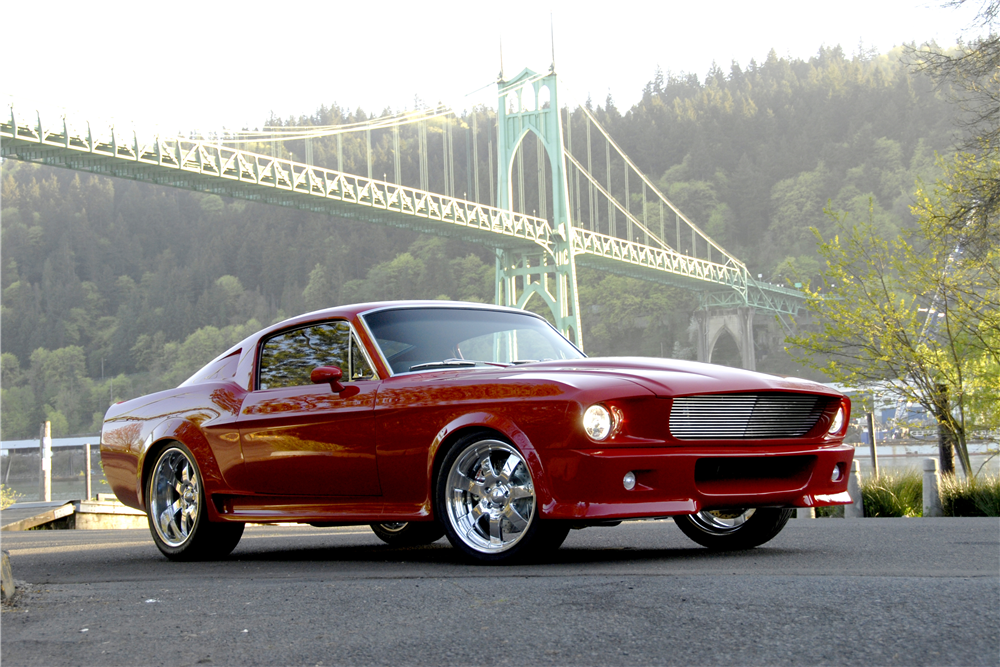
114, 288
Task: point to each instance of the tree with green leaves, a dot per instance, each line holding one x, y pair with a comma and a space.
920, 311
972, 75
913, 313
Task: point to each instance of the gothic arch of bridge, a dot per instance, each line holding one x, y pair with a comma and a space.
738, 322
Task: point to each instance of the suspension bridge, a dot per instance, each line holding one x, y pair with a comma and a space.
621, 223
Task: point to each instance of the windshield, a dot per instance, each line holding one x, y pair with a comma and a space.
432, 338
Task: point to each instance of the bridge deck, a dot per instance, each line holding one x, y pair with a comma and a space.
213, 168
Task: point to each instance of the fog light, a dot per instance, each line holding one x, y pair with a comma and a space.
629, 481
838, 473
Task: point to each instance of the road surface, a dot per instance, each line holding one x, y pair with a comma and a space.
825, 591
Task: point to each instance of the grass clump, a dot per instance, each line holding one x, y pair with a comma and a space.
979, 496
893, 494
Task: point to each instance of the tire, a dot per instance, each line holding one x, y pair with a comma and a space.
485, 499
175, 509
731, 530
408, 534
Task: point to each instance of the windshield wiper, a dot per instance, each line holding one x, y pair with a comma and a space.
447, 363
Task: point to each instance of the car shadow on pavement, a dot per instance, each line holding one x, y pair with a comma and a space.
442, 553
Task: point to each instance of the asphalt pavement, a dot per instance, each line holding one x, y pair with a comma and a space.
824, 592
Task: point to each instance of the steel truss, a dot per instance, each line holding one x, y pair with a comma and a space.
533, 255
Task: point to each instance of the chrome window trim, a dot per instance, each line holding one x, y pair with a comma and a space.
356, 340
371, 337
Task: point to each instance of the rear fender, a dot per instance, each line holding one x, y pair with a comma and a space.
189, 435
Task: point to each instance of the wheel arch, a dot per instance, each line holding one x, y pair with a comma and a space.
183, 432
486, 424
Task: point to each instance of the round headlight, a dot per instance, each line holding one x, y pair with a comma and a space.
597, 422
838, 421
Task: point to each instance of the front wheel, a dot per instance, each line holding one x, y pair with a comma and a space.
408, 533
731, 530
175, 508
486, 501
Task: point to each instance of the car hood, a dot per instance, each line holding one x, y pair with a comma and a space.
673, 377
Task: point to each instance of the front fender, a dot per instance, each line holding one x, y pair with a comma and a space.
483, 420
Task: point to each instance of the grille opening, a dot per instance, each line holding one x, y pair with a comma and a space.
757, 474
770, 415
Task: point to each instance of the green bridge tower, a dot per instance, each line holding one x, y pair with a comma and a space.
530, 103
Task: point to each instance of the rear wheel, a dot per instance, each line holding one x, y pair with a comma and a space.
408, 533
486, 501
175, 508
733, 529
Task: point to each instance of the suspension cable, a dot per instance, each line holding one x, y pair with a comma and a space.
600, 189
656, 190
292, 133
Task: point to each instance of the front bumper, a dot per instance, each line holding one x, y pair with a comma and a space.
587, 484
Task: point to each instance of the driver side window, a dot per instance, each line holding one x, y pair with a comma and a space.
287, 359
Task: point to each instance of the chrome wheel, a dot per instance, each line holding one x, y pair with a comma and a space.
718, 522
489, 497
408, 533
730, 529
394, 527
174, 497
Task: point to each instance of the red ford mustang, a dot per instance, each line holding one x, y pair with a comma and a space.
481, 423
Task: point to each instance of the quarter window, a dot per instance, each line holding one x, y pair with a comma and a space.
288, 358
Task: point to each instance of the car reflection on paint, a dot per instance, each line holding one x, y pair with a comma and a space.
479, 423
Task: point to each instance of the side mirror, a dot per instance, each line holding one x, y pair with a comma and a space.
329, 375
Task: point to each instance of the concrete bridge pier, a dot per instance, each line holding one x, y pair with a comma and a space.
738, 322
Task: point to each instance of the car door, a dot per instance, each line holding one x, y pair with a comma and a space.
300, 438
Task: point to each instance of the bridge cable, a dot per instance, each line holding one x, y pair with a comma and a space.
475, 153
614, 202
294, 133
653, 187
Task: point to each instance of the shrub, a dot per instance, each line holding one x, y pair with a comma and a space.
8, 496
893, 494
979, 496
830, 512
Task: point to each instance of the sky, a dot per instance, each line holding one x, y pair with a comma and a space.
208, 65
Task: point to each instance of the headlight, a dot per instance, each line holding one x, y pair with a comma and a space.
838, 421
597, 422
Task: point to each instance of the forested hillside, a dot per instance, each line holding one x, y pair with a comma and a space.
113, 288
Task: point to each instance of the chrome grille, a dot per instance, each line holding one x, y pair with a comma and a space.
744, 416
